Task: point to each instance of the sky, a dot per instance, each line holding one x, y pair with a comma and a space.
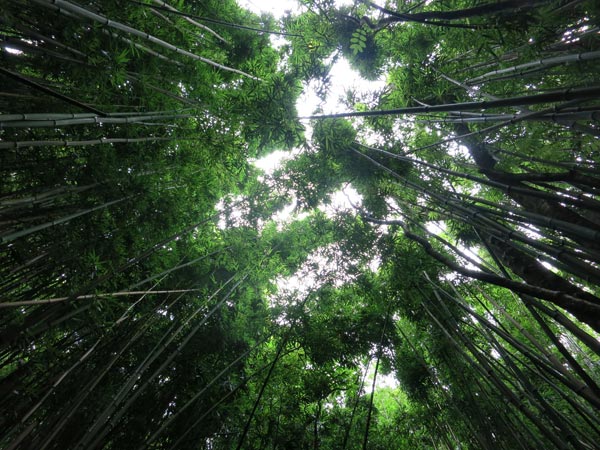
342, 78
275, 7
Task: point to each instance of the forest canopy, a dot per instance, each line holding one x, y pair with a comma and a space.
421, 269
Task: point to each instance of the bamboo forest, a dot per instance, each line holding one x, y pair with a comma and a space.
210, 238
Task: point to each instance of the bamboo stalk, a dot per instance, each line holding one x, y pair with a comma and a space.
543, 63
61, 5
107, 419
88, 120
192, 21
49, 91
99, 141
586, 93
45, 301
22, 233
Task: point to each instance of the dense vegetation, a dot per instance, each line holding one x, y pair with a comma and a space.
154, 296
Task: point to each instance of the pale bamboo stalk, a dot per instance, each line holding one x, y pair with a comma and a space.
63, 116
143, 48
541, 63
44, 116
99, 141
192, 21
87, 120
46, 301
61, 5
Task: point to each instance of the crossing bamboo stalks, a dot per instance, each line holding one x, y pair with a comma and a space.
192, 21
62, 5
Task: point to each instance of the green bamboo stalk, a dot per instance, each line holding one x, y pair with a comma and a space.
179, 266
587, 379
28, 32
518, 215
143, 48
26, 47
593, 116
476, 11
63, 5
530, 302
260, 393
372, 397
107, 419
151, 250
168, 337
587, 389
565, 119
569, 302
49, 91
556, 417
489, 374
581, 202
91, 385
183, 100
176, 444
216, 21
25, 232
60, 380
12, 201
198, 394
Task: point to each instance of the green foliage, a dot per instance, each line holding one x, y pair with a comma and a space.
184, 311
358, 41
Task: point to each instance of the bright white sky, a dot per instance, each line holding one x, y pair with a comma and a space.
275, 7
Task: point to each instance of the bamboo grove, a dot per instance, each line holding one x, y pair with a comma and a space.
154, 296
